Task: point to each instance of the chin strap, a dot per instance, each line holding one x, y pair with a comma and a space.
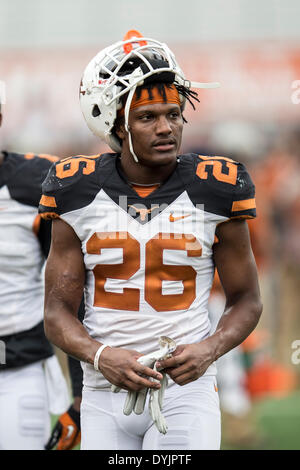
127, 128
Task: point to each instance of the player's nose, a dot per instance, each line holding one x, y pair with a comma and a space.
163, 126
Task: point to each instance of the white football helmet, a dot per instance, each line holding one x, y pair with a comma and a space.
119, 69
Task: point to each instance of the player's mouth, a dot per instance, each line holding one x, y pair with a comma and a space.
164, 145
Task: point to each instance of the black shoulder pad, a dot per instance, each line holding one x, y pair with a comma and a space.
219, 184
70, 184
243, 201
26, 174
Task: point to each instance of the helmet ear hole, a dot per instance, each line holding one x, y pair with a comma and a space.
96, 111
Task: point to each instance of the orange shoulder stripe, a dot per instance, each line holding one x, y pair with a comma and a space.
243, 205
51, 158
48, 201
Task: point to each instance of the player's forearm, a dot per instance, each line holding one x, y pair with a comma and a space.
237, 322
64, 284
64, 330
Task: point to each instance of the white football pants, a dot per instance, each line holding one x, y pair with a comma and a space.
24, 415
192, 413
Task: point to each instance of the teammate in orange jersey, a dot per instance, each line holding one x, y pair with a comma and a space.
141, 231
31, 382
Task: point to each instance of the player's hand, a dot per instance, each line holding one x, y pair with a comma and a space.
66, 433
121, 368
135, 402
188, 363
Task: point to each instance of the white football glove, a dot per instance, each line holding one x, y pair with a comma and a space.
156, 402
135, 401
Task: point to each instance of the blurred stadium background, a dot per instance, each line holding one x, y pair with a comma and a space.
253, 50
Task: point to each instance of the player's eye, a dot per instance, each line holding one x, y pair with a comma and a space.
174, 115
146, 117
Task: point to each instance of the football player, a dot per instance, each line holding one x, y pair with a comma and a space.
31, 382
141, 231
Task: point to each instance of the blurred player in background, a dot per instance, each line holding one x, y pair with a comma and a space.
31, 381
141, 231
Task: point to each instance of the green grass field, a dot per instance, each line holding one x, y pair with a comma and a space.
277, 422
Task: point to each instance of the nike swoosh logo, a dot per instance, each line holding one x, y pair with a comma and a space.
173, 219
70, 431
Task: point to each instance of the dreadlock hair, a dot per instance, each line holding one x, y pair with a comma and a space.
187, 93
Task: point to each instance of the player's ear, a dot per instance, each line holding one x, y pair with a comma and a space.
120, 130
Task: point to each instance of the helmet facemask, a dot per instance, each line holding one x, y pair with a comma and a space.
119, 70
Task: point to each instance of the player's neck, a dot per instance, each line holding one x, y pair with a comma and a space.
141, 174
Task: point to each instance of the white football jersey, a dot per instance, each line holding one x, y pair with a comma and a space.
21, 259
148, 259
